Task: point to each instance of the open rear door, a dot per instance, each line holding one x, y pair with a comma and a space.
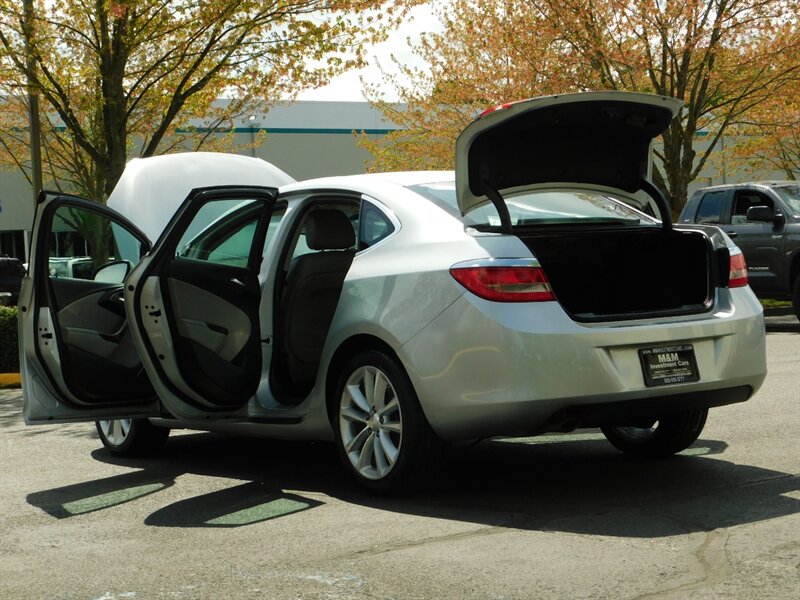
77, 356
194, 301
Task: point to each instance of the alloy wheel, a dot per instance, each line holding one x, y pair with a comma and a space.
370, 422
115, 431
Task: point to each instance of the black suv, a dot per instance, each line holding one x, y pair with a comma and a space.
11, 274
763, 219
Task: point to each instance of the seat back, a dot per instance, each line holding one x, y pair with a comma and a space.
311, 293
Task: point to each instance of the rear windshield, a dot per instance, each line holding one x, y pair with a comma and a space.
546, 207
791, 196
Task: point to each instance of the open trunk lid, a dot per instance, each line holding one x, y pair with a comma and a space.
594, 138
593, 146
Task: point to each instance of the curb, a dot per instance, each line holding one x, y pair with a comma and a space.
10, 380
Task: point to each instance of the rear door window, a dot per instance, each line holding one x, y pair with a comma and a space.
221, 232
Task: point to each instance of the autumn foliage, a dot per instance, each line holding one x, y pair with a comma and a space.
129, 77
768, 138
726, 59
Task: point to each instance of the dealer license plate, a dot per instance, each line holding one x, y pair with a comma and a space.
666, 365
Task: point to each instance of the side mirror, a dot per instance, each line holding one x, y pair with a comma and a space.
764, 214
113, 272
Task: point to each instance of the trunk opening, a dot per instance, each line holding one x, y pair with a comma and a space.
604, 275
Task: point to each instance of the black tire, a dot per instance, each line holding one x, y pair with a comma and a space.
667, 436
391, 421
140, 438
796, 296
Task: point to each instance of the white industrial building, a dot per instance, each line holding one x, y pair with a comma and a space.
305, 139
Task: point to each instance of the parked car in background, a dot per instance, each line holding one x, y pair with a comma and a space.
75, 267
763, 219
11, 273
398, 313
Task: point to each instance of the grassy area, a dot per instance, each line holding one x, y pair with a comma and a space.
776, 303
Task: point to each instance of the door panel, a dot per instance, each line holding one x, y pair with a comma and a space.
79, 361
98, 349
208, 320
761, 243
204, 305
196, 303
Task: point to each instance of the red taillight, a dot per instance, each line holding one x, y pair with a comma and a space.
505, 284
738, 270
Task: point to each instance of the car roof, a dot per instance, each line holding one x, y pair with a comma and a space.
369, 180
766, 184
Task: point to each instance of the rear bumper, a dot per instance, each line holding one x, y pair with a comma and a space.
629, 412
483, 369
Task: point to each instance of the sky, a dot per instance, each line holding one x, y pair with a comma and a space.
348, 86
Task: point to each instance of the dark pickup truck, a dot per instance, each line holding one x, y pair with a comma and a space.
763, 219
11, 274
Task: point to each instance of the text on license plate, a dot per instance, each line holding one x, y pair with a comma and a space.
665, 365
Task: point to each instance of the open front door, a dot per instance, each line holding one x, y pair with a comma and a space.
194, 303
78, 358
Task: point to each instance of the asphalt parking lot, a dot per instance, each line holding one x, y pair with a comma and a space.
551, 517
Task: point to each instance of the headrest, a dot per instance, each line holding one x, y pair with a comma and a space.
328, 229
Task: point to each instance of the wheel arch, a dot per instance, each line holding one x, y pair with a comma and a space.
347, 349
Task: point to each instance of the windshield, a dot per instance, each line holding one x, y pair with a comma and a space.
790, 194
544, 207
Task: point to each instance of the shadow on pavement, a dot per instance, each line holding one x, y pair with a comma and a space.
581, 486
244, 504
91, 496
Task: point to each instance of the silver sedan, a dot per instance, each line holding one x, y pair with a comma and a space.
540, 287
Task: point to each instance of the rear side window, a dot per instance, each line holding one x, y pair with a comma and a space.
710, 209
374, 226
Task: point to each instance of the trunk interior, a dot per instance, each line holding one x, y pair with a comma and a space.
615, 274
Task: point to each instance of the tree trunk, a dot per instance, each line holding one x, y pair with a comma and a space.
113, 59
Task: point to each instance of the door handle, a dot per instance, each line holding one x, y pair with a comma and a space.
237, 281
731, 234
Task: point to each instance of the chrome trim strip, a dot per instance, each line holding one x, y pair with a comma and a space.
497, 262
